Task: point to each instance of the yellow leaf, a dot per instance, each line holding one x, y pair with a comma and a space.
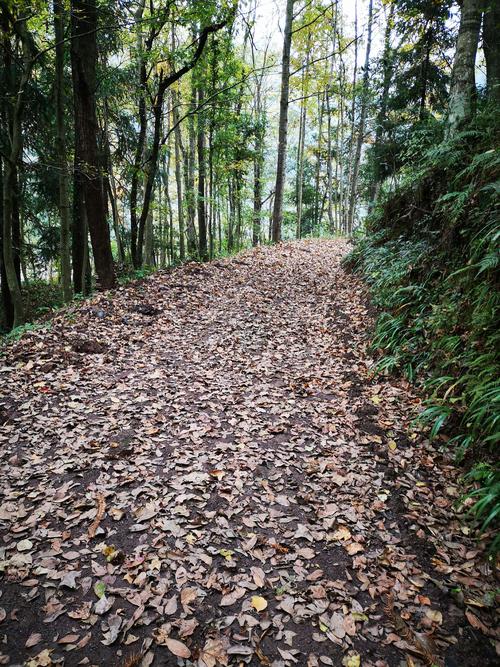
108, 550
392, 445
259, 603
358, 616
376, 400
353, 660
227, 553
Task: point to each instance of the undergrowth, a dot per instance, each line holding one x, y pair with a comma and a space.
431, 255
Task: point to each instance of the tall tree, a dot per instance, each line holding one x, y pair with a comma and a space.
84, 27
362, 121
15, 33
202, 209
381, 119
463, 79
64, 204
277, 218
178, 172
491, 46
142, 50
302, 139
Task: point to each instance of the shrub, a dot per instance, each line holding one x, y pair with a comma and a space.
431, 256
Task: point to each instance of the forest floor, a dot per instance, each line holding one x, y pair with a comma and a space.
198, 469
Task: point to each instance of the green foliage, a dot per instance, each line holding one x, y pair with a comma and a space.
486, 494
41, 298
18, 332
135, 274
431, 257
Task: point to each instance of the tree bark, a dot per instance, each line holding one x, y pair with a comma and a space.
302, 142
424, 77
110, 185
491, 46
190, 173
362, 120
463, 80
83, 65
321, 113
10, 221
202, 212
277, 219
258, 164
352, 133
380, 124
178, 174
7, 306
64, 207
141, 136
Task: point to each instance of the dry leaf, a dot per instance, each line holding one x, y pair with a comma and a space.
177, 648
259, 603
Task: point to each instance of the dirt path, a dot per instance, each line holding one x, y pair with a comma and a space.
253, 494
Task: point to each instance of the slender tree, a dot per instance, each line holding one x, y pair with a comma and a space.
17, 87
277, 218
178, 173
202, 209
463, 80
64, 204
491, 46
362, 121
381, 119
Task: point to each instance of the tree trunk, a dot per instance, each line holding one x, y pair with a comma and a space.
149, 238
7, 306
257, 189
178, 175
141, 137
64, 207
321, 112
352, 133
166, 183
283, 126
380, 124
10, 215
202, 213
83, 65
211, 169
78, 229
191, 200
463, 80
111, 190
362, 120
424, 77
302, 141
340, 146
230, 222
491, 46
329, 133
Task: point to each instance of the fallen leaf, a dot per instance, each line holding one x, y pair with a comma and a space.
177, 648
230, 598
259, 603
33, 639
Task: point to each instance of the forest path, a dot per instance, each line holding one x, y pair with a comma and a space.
220, 421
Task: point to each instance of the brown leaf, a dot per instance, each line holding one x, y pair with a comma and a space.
33, 639
101, 507
177, 648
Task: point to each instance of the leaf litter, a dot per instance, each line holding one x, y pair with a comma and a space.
223, 482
